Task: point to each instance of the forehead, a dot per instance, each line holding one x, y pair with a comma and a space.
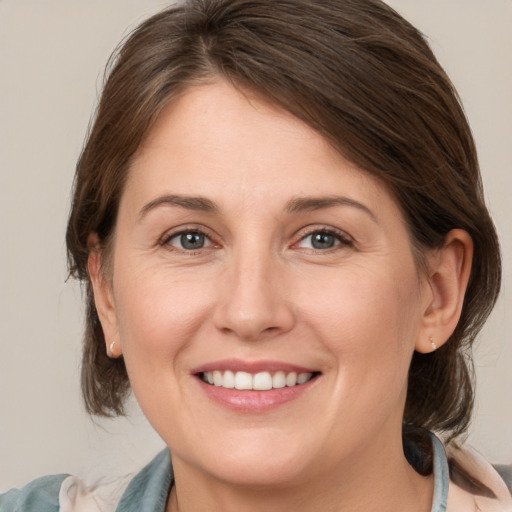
215, 139
221, 122
215, 117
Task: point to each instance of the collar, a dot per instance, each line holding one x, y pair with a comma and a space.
149, 489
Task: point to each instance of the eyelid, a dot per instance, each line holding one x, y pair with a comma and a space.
341, 236
188, 228
178, 236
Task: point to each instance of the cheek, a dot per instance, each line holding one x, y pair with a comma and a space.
159, 314
160, 317
368, 321
360, 303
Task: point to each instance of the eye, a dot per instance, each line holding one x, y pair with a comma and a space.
323, 240
189, 240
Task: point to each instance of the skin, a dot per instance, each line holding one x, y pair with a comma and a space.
259, 290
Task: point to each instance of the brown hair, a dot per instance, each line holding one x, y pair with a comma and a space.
360, 75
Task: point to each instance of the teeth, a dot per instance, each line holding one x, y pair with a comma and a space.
291, 379
228, 380
261, 381
279, 380
302, 378
243, 380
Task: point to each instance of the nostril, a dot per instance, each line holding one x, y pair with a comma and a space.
252, 305
260, 324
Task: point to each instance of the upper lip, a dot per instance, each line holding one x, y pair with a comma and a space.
238, 365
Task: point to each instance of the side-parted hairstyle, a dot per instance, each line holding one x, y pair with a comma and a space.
365, 79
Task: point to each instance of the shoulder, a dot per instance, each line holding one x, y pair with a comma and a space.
474, 484
41, 495
64, 493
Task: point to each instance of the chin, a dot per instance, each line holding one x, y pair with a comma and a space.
268, 463
259, 472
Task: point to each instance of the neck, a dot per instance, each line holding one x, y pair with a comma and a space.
380, 479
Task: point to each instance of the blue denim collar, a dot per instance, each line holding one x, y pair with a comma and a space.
149, 489
441, 476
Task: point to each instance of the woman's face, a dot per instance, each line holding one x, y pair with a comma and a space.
249, 252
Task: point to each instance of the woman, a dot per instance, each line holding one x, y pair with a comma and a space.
279, 218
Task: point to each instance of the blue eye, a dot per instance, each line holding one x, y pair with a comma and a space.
322, 240
189, 240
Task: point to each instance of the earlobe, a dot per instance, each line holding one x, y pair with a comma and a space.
103, 297
449, 271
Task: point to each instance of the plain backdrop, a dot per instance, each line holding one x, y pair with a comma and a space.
52, 55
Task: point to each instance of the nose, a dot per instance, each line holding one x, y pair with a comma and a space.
254, 304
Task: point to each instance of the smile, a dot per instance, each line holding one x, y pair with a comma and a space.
261, 381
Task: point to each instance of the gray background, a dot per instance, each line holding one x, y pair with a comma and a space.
52, 53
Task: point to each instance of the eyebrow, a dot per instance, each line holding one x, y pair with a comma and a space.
305, 204
200, 204
296, 205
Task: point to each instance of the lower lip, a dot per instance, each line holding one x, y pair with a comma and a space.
250, 401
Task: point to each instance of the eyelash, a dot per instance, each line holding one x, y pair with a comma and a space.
341, 238
166, 239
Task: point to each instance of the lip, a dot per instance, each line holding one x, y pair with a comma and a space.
238, 365
251, 401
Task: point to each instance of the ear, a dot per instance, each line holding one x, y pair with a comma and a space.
103, 297
448, 276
